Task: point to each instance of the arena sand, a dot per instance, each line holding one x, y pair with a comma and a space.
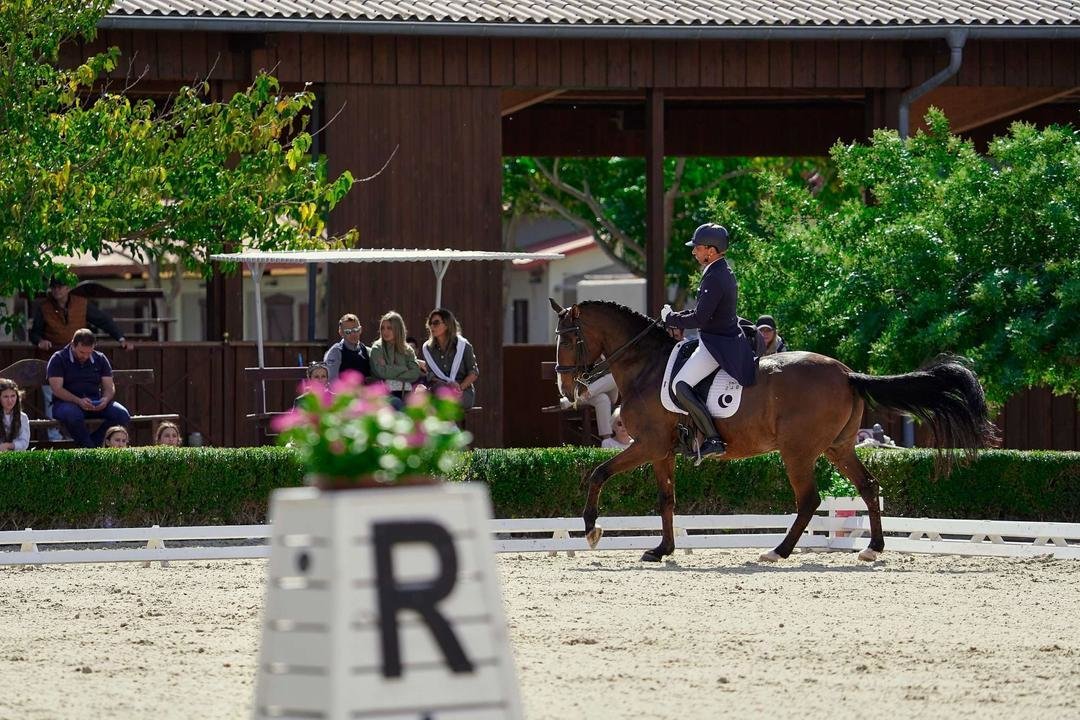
600, 635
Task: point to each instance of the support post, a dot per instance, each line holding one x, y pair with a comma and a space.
440, 267
655, 286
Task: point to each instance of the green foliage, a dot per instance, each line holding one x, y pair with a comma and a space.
206, 486
957, 252
82, 165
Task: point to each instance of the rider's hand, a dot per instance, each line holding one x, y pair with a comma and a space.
664, 312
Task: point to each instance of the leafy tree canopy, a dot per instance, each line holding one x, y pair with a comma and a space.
83, 166
955, 252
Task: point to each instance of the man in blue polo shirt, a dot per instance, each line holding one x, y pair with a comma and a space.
82, 385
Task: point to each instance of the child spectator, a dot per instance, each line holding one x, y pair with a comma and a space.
168, 434
15, 428
621, 439
116, 437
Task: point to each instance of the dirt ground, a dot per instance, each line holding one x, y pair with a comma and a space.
600, 635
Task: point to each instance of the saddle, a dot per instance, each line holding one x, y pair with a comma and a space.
721, 392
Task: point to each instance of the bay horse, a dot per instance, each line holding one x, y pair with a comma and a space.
803, 404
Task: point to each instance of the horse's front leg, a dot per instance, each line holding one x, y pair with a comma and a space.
664, 469
628, 459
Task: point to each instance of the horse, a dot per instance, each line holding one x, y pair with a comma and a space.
802, 404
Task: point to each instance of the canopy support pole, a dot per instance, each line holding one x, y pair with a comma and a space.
440, 267
256, 268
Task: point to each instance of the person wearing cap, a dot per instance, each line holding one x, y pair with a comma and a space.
722, 342
56, 318
768, 341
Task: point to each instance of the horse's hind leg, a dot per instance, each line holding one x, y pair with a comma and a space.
664, 470
847, 462
800, 470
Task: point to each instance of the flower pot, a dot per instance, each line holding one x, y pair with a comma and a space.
339, 482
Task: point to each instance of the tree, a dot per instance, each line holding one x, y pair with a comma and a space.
84, 167
606, 196
957, 252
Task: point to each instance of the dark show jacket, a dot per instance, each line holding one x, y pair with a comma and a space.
717, 324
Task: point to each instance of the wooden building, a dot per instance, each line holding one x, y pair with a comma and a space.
455, 85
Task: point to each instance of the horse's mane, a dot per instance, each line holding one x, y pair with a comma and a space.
655, 339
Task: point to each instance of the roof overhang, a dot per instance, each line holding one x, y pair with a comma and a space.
258, 257
912, 31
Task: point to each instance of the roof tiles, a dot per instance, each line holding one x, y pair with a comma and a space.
745, 13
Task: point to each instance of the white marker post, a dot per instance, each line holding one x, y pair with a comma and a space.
384, 604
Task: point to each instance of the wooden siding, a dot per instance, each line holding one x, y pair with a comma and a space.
595, 64
441, 190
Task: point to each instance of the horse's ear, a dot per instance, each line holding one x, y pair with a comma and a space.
575, 312
555, 306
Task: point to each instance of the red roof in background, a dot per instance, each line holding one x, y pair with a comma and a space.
570, 244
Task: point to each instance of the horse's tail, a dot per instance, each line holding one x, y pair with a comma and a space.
945, 395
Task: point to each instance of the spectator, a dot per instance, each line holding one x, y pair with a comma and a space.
392, 360
82, 384
622, 439
449, 356
15, 427
57, 317
168, 434
349, 353
317, 374
116, 437
411, 341
602, 394
768, 341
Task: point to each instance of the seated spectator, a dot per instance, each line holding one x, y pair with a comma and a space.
57, 317
768, 341
602, 394
15, 427
411, 342
621, 439
349, 353
449, 357
82, 385
116, 437
316, 373
392, 360
168, 434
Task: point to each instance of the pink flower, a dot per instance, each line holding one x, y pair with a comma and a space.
292, 419
358, 408
416, 438
337, 447
377, 390
446, 392
417, 398
316, 388
347, 382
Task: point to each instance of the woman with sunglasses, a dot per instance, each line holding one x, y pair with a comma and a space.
450, 358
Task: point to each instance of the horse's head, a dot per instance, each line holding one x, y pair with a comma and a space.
577, 348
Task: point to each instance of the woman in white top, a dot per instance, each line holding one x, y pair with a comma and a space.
621, 439
15, 426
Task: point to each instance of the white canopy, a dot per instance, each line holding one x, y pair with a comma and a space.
440, 260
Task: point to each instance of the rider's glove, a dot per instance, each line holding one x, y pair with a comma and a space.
664, 312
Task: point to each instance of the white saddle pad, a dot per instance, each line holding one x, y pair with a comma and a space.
725, 393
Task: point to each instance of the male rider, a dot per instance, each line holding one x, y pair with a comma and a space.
722, 343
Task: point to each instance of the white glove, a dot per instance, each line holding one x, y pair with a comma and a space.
664, 312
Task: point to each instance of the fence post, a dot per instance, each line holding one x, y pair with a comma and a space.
155, 543
560, 535
28, 545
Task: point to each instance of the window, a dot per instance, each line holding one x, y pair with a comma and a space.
521, 321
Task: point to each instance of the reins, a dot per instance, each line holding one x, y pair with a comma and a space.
592, 373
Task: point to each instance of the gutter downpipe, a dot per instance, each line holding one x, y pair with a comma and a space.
956, 40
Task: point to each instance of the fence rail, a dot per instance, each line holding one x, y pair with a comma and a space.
839, 530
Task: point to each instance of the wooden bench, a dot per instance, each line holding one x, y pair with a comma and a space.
577, 426
29, 374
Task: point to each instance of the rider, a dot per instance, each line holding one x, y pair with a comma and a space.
722, 343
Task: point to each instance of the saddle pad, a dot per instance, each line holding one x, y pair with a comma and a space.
725, 393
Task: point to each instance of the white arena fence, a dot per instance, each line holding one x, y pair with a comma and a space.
836, 527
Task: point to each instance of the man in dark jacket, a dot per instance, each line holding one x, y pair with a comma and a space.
722, 344
349, 353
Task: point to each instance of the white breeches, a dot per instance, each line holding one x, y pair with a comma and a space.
697, 367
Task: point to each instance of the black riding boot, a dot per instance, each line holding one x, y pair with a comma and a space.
712, 445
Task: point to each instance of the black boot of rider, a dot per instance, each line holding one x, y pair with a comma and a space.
712, 445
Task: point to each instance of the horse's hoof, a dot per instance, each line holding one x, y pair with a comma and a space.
593, 536
650, 556
869, 555
770, 557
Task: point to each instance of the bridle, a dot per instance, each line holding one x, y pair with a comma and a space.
588, 374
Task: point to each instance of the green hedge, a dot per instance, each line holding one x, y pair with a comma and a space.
197, 486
